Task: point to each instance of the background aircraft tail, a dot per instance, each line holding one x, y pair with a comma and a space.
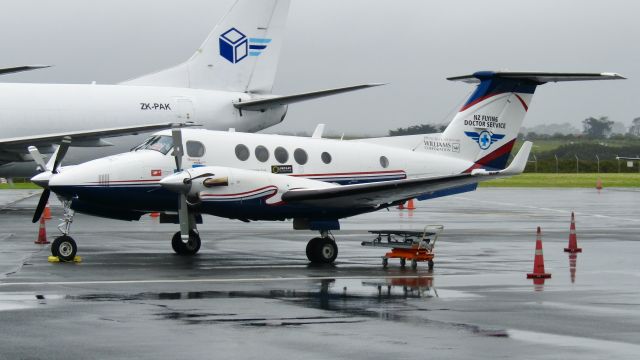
485, 129
241, 54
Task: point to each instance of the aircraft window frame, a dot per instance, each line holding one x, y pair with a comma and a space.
160, 143
326, 158
242, 152
281, 154
384, 162
300, 156
201, 149
262, 153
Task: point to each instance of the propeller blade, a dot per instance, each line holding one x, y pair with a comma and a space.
62, 151
178, 152
37, 157
183, 216
44, 199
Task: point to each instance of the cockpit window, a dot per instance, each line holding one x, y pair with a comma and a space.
156, 143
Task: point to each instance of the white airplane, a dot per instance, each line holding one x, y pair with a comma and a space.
226, 84
314, 181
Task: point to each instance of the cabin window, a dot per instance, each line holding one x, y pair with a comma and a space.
242, 152
262, 154
384, 162
281, 154
300, 156
195, 149
326, 157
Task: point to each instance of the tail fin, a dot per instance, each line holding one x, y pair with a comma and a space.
241, 54
486, 127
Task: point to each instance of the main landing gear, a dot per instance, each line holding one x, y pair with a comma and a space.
64, 247
191, 247
323, 249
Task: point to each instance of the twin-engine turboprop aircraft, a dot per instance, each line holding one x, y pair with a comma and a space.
314, 181
226, 84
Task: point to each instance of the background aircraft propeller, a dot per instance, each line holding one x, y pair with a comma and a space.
58, 157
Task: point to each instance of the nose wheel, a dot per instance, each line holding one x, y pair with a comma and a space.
322, 250
191, 247
64, 248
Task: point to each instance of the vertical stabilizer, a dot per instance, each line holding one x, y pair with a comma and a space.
241, 54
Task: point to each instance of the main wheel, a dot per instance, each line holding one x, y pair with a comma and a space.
414, 264
190, 248
311, 252
65, 248
322, 250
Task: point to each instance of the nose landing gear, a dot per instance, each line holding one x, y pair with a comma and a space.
64, 247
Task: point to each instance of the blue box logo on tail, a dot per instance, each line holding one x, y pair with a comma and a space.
484, 138
235, 46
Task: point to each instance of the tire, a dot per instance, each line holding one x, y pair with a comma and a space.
326, 251
65, 248
403, 262
414, 264
431, 264
190, 248
385, 262
311, 246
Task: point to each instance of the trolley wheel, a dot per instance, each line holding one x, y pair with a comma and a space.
403, 262
430, 264
414, 264
385, 262
65, 248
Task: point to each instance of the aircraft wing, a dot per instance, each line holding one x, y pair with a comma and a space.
11, 70
389, 192
83, 138
270, 101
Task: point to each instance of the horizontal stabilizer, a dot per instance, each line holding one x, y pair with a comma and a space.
537, 77
83, 137
268, 102
17, 69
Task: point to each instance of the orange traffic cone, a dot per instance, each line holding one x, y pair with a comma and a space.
599, 184
401, 206
538, 260
411, 205
573, 239
47, 212
42, 233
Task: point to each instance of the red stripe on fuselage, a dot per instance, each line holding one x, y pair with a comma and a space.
524, 104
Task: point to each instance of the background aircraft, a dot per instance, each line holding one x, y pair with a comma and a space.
226, 84
313, 181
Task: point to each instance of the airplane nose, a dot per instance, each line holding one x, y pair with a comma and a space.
42, 179
177, 182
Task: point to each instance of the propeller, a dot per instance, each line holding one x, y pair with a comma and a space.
183, 206
43, 179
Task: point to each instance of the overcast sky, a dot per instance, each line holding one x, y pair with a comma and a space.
411, 44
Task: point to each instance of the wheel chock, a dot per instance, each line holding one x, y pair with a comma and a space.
55, 259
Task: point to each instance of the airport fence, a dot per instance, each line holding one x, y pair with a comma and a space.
580, 165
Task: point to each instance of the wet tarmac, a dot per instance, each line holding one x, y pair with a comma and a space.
250, 293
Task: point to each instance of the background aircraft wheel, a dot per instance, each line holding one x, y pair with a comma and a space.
65, 248
322, 250
311, 245
403, 262
414, 264
190, 248
430, 264
385, 262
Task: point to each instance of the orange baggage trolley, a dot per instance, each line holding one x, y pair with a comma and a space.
406, 245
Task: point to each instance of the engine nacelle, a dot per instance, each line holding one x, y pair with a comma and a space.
216, 183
